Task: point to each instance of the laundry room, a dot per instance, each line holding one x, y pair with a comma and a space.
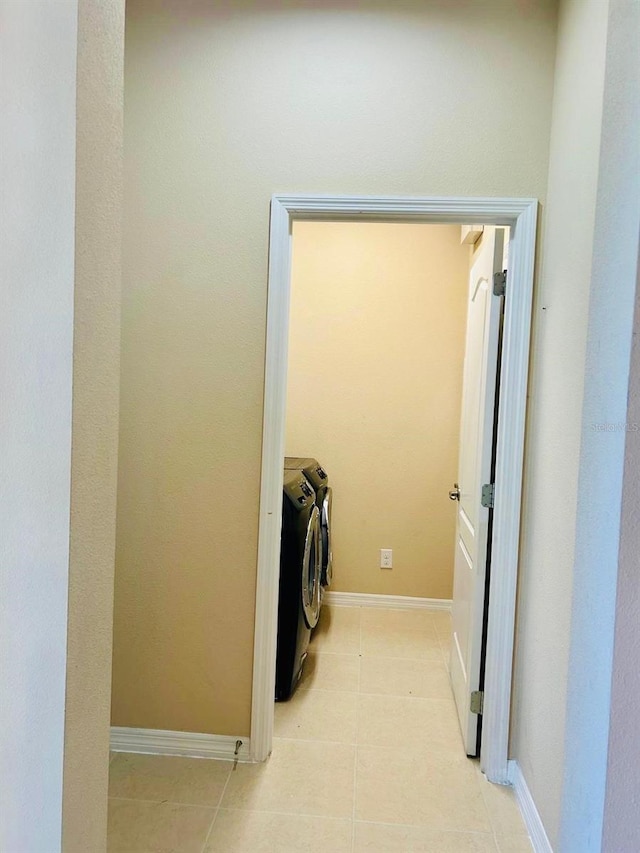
376, 339
376, 350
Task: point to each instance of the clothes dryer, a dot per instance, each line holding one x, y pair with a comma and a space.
317, 476
299, 602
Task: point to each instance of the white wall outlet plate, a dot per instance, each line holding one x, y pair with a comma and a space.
386, 558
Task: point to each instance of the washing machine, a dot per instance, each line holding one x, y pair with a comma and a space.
300, 589
317, 476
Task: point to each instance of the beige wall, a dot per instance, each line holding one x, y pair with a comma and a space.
59, 377
224, 105
602, 763
94, 460
376, 348
38, 43
555, 426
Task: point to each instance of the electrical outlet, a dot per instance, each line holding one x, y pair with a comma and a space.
386, 558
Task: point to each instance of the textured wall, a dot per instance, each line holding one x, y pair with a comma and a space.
96, 356
376, 348
38, 74
224, 105
605, 551
622, 810
555, 427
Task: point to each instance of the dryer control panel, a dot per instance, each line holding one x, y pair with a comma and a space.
311, 468
298, 489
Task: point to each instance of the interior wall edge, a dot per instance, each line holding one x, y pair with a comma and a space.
96, 382
608, 432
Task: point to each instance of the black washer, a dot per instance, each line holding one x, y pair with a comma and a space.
299, 602
317, 476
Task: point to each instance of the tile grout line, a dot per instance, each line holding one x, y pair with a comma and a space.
377, 746
316, 740
319, 816
217, 812
430, 828
355, 751
432, 657
163, 802
208, 835
386, 695
420, 826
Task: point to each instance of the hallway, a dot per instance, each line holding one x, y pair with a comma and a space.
367, 757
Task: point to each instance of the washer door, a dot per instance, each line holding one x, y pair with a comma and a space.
311, 571
325, 533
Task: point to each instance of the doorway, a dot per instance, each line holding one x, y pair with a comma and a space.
520, 216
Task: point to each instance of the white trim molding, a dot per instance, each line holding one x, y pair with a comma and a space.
505, 544
539, 840
520, 214
193, 745
394, 602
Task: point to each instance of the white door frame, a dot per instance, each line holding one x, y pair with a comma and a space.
520, 214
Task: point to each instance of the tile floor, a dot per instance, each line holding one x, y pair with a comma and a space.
367, 756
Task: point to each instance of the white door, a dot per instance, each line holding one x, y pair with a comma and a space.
474, 470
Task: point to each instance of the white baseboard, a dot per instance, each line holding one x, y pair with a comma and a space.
397, 602
191, 744
535, 828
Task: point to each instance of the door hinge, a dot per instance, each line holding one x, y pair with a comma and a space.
488, 494
477, 702
499, 283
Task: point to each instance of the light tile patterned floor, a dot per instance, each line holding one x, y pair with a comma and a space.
367, 757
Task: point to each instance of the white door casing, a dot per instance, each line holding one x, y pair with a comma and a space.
474, 470
521, 215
